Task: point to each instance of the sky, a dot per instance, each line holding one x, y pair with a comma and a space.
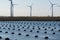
39, 7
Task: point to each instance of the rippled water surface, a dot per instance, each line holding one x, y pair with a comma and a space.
30, 30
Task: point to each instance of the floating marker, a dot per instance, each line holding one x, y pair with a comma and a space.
36, 36
45, 32
12, 33
7, 39
6, 32
30, 30
46, 37
27, 34
53, 32
19, 34
0, 37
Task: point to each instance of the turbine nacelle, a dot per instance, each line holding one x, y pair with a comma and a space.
10, 0
51, 3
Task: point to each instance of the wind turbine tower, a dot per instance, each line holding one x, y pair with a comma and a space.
52, 6
11, 8
30, 10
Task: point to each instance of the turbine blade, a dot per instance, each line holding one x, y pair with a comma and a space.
28, 6
15, 4
10, 0
54, 4
50, 2
58, 5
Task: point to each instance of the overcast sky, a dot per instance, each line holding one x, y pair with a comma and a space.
40, 7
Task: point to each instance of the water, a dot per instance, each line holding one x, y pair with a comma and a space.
11, 29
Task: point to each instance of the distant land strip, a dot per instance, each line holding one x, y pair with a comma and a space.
29, 18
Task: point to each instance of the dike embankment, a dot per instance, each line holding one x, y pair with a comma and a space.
29, 18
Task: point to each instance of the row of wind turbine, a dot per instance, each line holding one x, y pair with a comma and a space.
12, 6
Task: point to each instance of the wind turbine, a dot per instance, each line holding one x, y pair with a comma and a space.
30, 10
52, 6
11, 8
